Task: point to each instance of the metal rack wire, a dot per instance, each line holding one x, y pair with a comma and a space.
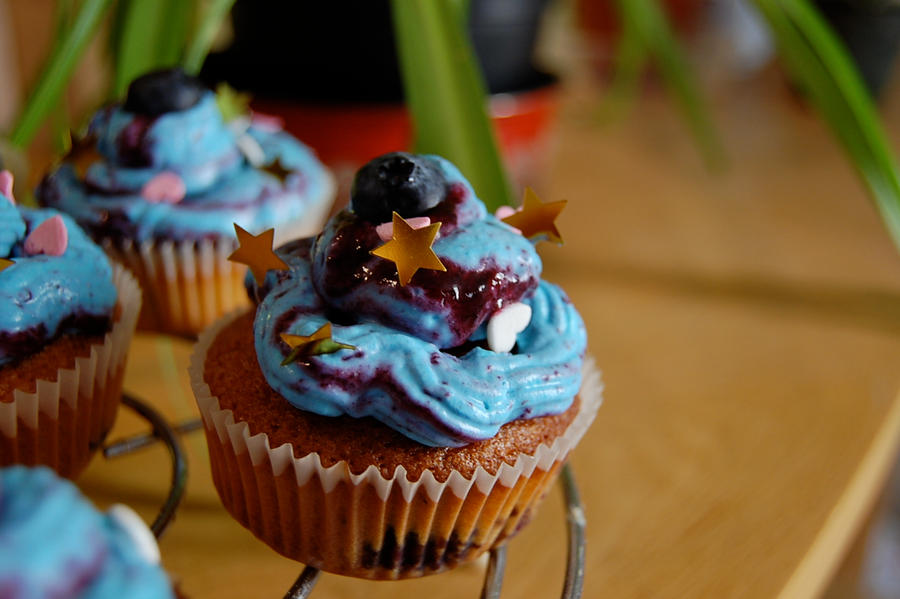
161, 431
573, 584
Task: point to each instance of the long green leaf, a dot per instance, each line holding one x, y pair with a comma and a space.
205, 34
57, 71
142, 23
649, 22
59, 117
172, 41
819, 63
446, 95
630, 59
147, 35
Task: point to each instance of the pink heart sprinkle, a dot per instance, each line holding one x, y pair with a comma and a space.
50, 238
6, 186
504, 211
165, 187
386, 230
267, 122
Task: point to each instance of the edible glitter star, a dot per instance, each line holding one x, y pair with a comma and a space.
277, 170
410, 249
4, 264
317, 344
232, 103
82, 154
536, 218
256, 252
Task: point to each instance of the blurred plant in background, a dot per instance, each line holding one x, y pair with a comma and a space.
446, 94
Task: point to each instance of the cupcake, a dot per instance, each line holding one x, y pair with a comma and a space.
161, 180
54, 543
67, 316
406, 388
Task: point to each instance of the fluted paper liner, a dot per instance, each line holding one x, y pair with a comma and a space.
189, 284
64, 421
366, 525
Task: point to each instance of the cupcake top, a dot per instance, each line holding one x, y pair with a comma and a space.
165, 165
53, 543
53, 280
444, 341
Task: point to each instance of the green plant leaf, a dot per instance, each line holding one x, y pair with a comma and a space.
446, 95
630, 60
205, 34
819, 63
648, 22
59, 117
142, 25
57, 70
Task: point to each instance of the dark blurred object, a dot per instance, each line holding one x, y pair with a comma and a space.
344, 51
871, 31
330, 70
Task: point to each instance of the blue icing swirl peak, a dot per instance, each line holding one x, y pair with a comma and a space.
418, 365
221, 186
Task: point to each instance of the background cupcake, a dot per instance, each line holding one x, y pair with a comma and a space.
53, 543
413, 387
66, 319
160, 181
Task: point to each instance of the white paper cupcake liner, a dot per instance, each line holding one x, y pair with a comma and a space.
189, 284
64, 421
364, 524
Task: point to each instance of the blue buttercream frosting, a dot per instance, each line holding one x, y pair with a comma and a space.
410, 368
222, 187
53, 543
43, 297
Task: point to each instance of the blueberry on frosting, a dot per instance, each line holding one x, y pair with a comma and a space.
398, 182
159, 92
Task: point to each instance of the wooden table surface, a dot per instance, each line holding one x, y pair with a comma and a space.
748, 327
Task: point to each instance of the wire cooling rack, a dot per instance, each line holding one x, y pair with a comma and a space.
573, 585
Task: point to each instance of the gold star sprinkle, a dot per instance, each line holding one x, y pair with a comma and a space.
317, 344
536, 218
82, 154
410, 249
277, 170
4, 264
256, 252
232, 103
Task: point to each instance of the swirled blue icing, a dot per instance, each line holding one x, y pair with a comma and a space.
12, 227
196, 144
43, 297
53, 543
399, 371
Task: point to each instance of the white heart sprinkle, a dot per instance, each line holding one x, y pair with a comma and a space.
251, 150
137, 530
505, 324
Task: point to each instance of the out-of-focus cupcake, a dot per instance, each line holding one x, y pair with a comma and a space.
407, 401
54, 544
67, 316
161, 180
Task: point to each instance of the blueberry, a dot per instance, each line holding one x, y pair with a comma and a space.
166, 90
398, 182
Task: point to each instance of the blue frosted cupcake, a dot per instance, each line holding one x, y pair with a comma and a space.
160, 181
414, 386
54, 544
67, 316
